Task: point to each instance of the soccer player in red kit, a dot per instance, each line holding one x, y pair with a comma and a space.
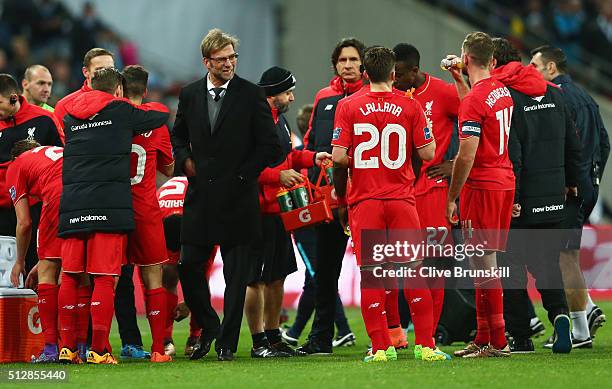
483, 175
151, 152
374, 136
171, 196
36, 174
441, 103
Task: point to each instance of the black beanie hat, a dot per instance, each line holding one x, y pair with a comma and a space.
276, 80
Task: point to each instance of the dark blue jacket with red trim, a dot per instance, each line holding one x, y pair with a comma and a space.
96, 195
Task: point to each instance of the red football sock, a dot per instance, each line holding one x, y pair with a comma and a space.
437, 297
67, 302
194, 328
392, 308
102, 310
155, 301
171, 302
482, 324
373, 311
82, 313
421, 311
495, 317
47, 306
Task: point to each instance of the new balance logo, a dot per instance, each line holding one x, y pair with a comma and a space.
329, 107
95, 303
68, 307
416, 300
374, 305
81, 305
153, 313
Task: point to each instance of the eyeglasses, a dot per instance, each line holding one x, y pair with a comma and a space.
220, 60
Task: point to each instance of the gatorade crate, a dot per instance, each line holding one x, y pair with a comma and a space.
20, 330
316, 212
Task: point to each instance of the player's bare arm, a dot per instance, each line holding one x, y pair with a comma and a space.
461, 171
341, 161
167, 170
427, 152
462, 86
23, 233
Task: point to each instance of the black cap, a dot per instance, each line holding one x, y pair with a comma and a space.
276, 80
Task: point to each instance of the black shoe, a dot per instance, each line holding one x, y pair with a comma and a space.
596, 319
585, 343
288, 338
524, 346
537, 329
347, 340
562, 343
268, 352
225, 354
285, 348
201, 348
314, 348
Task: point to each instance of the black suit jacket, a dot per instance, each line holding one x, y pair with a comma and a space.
222, 201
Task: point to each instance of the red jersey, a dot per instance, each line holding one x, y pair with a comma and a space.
60, 107
150, 152
441, 104
36, 173
171, 196
380, 129
486, 112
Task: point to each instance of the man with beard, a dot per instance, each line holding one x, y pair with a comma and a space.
274, 256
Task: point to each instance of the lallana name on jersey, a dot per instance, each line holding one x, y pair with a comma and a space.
378, 107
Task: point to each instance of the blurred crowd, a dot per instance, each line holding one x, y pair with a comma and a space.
582, 28
46, 32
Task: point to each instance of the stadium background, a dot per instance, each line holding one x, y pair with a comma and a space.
299, 35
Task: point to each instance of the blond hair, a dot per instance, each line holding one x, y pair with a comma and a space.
479, 46
215, 40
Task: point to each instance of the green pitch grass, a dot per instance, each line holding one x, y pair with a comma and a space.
345, 369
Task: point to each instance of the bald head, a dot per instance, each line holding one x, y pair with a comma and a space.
37, 83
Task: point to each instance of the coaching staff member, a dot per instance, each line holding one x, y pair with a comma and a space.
545, 152
223, 137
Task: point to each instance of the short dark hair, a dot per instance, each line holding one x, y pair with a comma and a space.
379, 63
407, 53
303, 118
552, 54
8, 85
347, 42
504, 52
136, 78
93, 53
107, 80
479, 47
172, 232
21, 146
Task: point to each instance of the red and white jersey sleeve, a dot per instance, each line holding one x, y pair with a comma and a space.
36, 173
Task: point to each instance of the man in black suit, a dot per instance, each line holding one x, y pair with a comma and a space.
223, 138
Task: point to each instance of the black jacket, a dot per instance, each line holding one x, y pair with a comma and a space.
222, 201
96, 194
29, 122
545, 152
593, 135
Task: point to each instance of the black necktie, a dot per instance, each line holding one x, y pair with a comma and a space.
217, 93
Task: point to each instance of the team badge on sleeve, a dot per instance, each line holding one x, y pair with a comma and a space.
427, 133
13, 192
470, 129
337, 132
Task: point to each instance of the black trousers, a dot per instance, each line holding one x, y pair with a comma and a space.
331, 246
538, 254
307, 246
237, 270
125, 308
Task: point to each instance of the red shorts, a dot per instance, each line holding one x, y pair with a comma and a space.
147, 243
431, 207
95, 253
48, 244
485, 216
381, 215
